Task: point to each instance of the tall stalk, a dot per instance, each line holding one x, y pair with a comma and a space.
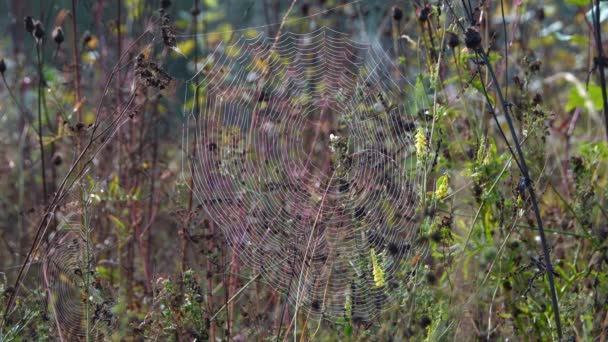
601, 61
76, 63
40, 142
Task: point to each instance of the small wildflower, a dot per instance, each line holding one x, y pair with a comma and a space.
422, 144
490, 154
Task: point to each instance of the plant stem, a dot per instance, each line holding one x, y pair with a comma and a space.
524, 169
600, 64
76, 64
40, 142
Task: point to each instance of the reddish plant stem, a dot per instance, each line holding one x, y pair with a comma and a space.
76, 63
209, 276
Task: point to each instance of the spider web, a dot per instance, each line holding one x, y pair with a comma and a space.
303, 159
64, 275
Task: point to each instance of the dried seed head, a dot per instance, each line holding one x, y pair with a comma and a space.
86, 38
2, 66
472, 39
164, 4
29, 24
453, 40
58, 35
425, 321
57, 160
397, 13
424, 13
168, 32
38, 31
195, 11
540, 13
305, 9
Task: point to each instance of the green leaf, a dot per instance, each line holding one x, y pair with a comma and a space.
577, 99
348, 330
578, 2
211, 3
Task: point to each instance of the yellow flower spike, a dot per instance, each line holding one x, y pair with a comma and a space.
377, 270
348, 306
443, 187
422, 143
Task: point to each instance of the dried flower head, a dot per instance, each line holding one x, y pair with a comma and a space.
2, 66
424, 13
305, 9
397, 13
167, 32
472, 38
195, 11
38, 31
86, 38
149, 74
29, 24
58, 36
453, 40
164, 4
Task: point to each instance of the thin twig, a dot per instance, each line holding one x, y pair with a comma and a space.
234, 296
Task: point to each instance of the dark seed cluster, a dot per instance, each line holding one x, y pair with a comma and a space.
472, 38
167, 31
150, 74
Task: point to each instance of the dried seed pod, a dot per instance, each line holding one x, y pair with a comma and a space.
57, 160
86, 38
305, 8
472, 38
397, 13
453, 40
2, 66
164, 4
167, 32
38, 31
424, 13
195, 11
29, 24
58, 36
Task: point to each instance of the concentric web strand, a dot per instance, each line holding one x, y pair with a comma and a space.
73, 304
304, 157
